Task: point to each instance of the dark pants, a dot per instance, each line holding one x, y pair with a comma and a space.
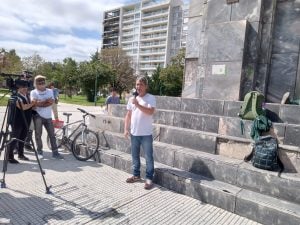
39, 122
19, 132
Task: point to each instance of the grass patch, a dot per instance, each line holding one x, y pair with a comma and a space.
80, 100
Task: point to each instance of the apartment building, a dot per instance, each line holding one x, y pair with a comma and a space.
149, 31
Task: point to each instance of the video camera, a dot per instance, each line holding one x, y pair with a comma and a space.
13, 81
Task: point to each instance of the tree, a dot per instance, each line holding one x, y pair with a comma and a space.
155, 83
33, 63
93, 75
172, 75
10, 62
69, 76
123, 78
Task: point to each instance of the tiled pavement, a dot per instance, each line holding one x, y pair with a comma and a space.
92, 193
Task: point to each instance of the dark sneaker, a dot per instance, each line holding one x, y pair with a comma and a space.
14, 161
57, 156
23, 157
28, 147
148, 184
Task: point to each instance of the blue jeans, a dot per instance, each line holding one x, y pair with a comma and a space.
147, 144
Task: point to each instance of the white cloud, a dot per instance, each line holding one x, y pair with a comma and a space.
47, 27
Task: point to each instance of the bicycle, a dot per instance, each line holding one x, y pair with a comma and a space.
85, 143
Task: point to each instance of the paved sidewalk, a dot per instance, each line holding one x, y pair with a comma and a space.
93, 193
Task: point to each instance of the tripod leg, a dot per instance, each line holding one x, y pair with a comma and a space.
5, 161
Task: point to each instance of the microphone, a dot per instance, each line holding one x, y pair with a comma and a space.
135, 94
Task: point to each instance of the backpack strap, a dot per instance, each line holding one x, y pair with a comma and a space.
254, 102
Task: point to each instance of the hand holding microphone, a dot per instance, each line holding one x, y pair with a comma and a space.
134, 100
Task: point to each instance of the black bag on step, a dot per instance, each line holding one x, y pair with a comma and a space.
265, 154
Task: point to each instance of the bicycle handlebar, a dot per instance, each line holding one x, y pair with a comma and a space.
83, 111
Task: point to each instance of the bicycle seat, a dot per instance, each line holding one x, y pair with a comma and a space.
67, 114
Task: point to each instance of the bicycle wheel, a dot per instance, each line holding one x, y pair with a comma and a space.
85, 145
58, 135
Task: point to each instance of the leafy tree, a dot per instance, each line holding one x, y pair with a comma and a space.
10, 62
154, 82
93, 75
33, 63
172, 75
69, 76
123, 78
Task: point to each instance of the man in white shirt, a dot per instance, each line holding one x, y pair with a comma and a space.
44, 100
139, 119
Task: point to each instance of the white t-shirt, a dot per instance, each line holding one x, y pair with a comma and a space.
45, 112
141, 123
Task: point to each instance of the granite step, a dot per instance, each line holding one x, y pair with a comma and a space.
232, 171
222, 143
261, 208
286, 133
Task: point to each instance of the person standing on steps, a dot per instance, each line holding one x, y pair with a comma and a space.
138, 124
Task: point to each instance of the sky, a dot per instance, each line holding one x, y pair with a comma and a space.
54, 29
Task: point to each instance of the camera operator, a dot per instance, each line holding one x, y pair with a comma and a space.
19, 126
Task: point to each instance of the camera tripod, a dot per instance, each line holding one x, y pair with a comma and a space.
5, 141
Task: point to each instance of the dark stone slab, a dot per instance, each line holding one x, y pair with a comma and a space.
206, 166
268, 10
272, 111
292, 135
196, 122
247, 78
246, 10
287, 27
252, 42
266, 210
163, 117
283, 76
265, 43
261, 78
290, 114
266, 182
189, 139
203, 106
226, 41
218, 12
169, 103
232, 108
223, 87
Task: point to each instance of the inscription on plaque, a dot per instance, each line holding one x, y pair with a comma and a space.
218, 70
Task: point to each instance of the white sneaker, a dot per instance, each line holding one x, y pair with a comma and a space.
40, 156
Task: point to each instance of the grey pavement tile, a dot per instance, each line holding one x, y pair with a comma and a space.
92, 193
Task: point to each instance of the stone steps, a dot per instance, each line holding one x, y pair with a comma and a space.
232, 171
255, 206
215, 143
198, 151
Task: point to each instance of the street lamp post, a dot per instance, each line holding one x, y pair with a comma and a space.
95, 94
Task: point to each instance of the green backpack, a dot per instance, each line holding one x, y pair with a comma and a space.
252, 106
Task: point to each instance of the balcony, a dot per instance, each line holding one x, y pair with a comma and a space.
155, 3
155, 21
156, 13
145, 30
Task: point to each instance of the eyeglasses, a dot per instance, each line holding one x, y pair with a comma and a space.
41, 83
